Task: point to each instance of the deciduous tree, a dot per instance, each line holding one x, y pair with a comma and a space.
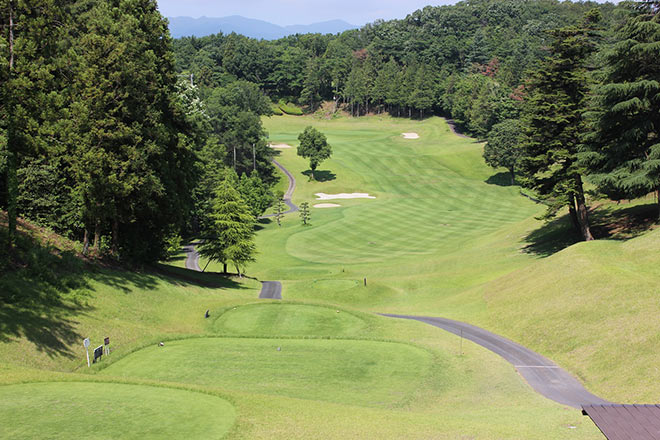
313, 146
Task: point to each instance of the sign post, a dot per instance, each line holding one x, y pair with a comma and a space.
86, 344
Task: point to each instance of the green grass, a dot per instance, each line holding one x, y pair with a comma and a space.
436, 228
284, 319
361, 373
443, 237
67, 410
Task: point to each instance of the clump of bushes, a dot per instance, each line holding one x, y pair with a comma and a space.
276, 110
290, 109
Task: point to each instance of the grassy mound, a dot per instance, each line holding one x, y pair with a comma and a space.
67, 410
283, 319
352, 372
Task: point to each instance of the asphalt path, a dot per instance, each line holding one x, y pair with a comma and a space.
271, 290
192, 258
543, 375
289, 191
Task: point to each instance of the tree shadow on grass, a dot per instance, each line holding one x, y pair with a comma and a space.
621, 222
262, 223
186, 277
608, 221
321, 175
42, 290
500, 179
552, 237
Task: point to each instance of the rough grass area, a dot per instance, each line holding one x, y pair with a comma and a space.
67, 410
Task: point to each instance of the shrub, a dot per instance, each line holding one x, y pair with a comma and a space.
290, 109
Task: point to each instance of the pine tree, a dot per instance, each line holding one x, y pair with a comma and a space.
553, 125
624, 147
230, 238
304, 213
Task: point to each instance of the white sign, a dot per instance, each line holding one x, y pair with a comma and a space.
86, 344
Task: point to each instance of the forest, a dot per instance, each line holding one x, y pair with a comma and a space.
118, 136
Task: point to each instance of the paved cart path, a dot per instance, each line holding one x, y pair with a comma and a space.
289, 191
192, 257
543, 375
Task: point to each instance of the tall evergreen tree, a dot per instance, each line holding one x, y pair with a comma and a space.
32, 32
230, 238
624, 147
554, 125
133, 159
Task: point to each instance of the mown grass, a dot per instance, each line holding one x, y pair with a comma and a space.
436, 234
66, 410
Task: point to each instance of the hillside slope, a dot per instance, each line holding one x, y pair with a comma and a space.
593, 308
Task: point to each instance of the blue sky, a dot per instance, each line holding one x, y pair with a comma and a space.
286, 12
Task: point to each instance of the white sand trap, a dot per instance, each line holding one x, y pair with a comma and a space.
324, 196
410, 135
327, 205
280, 146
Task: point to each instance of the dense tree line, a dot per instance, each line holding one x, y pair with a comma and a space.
102, 140
467, 61
589, 113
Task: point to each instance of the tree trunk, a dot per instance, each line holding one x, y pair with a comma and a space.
367, 104
97, 237
224, 267
657, 199
582, 213
115, 236
513, 176
409, 112
12, 179
86, 242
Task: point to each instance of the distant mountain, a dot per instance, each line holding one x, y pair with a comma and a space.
199, 27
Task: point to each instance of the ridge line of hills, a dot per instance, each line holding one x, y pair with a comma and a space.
253, 28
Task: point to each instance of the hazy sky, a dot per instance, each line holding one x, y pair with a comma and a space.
285, 12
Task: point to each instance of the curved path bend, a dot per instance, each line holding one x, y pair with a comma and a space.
289, 191
543, 375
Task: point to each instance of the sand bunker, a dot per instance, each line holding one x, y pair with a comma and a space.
280, 146
410, 135
324, 196
327, 205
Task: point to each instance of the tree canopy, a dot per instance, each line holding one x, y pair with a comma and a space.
313, 146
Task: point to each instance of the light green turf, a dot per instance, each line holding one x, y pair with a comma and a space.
284, 319
353, 372
436, 227
71, 410
435, 236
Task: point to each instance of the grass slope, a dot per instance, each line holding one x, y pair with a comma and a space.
591, 307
